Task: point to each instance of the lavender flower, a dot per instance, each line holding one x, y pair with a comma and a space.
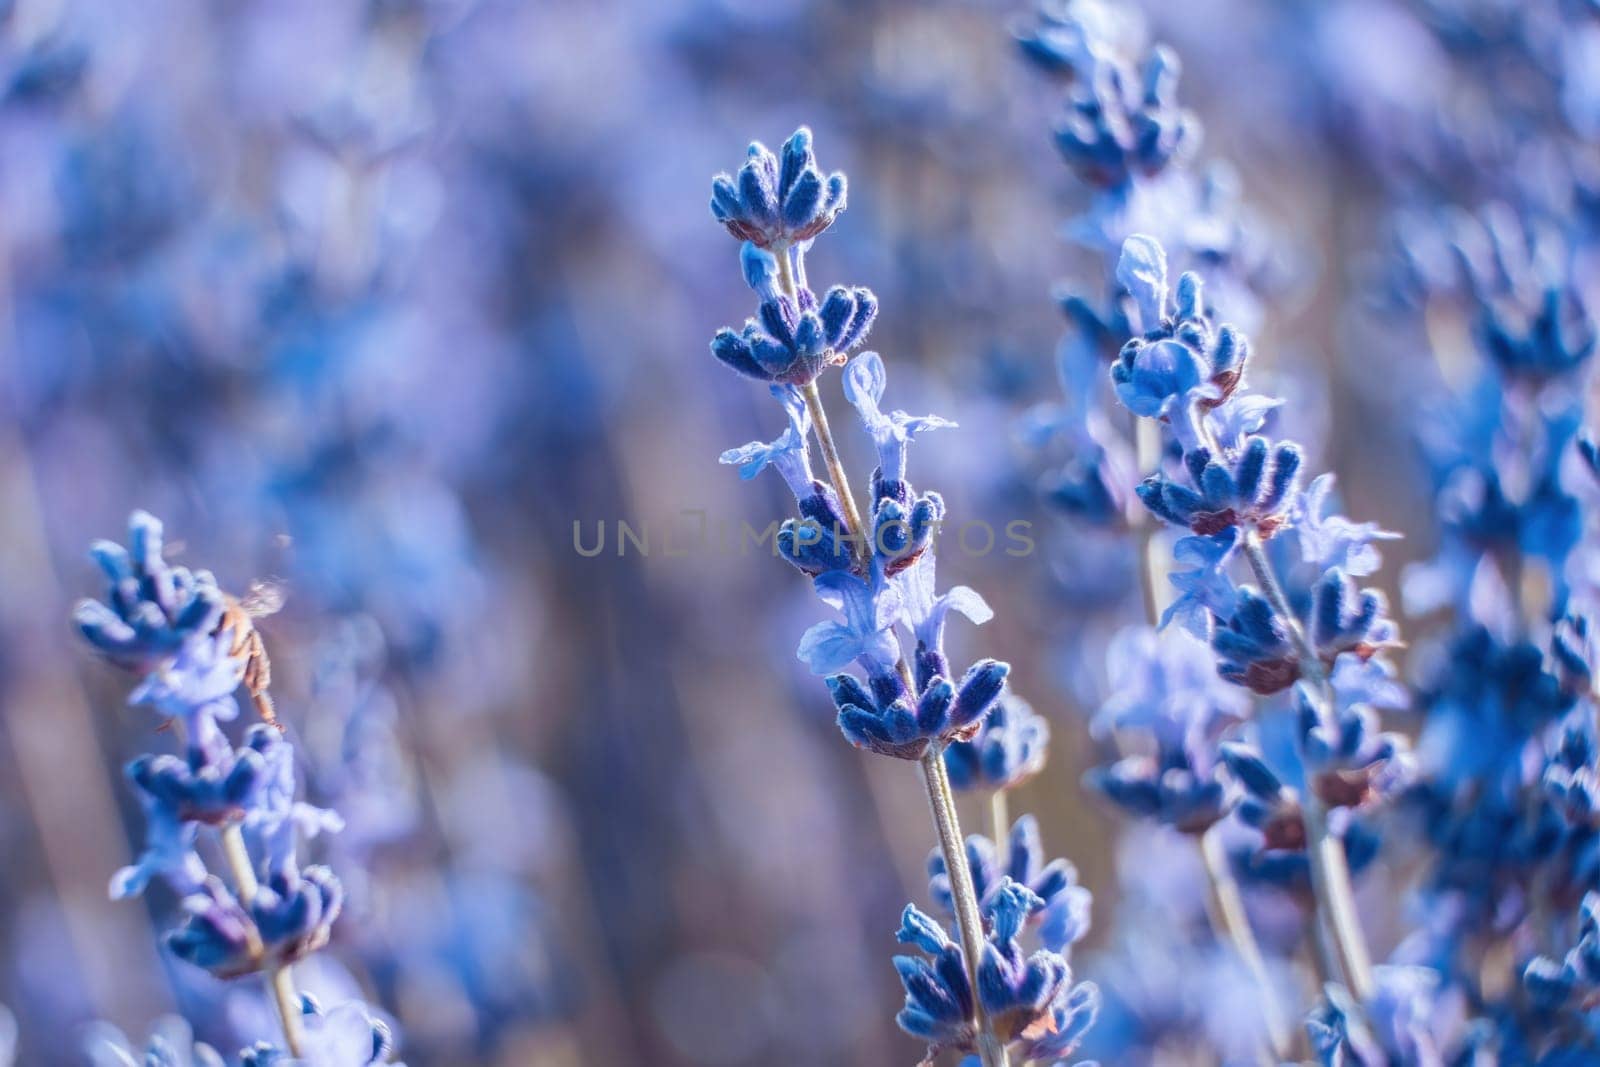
1008, 749
775, 204
1328, 539
884, 721
1025, 996
1169, 711
1120, 121
1181, 371
153, 611
794, 335
171, 1044
346, 1036
882, 715
1059, 900
1573, 981
1404, 1021
275, 913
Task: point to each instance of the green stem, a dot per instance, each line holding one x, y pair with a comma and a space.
860, 551
836, 474
935, 778
1000, 823
279, 978
785, 273
1323, 958
1330, 871
1229, 918
941, 801
1147, 439
1235, 923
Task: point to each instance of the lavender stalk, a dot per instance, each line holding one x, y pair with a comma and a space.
936, 782
1234, 489
979, 993
193, 646
1329, 871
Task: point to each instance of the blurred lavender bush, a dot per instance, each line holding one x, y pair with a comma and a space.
393, 309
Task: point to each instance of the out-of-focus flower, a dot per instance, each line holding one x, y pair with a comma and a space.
171, 1044
1008, 749
1168, 713
152, 611
349, 1035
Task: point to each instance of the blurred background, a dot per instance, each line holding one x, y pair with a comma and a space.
377, 300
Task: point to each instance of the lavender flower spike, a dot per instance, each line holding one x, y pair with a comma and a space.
171, 629
883, 587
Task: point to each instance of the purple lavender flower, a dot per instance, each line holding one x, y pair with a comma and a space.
1062, 904
1027, 998
1181, 359
349, 1035
274, 821
288, 918
794, 335
178, 797
1570, 780
1534, 322
870, 610
885, 721
1168, 713
1206, 591
153, 611
1573, 981
1008, 749
897, 594
196, 687
927, 612
1407, 1019
275, 913
777, 204
1253, 486
878, 573
171, 1044
1328, 539
864, 383
1121, 122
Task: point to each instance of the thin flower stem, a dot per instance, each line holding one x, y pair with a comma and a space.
943, 805
1147, 438
1330, 871
1323, 959
1236, 924
279, 978
934, 776
785, 274
841, 483
1000, 823
238, 857
860, 550
1229, 917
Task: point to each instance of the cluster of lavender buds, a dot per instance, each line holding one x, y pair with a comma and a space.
1306, 624
1252, 718
981, 992
1130, 145
223, 826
